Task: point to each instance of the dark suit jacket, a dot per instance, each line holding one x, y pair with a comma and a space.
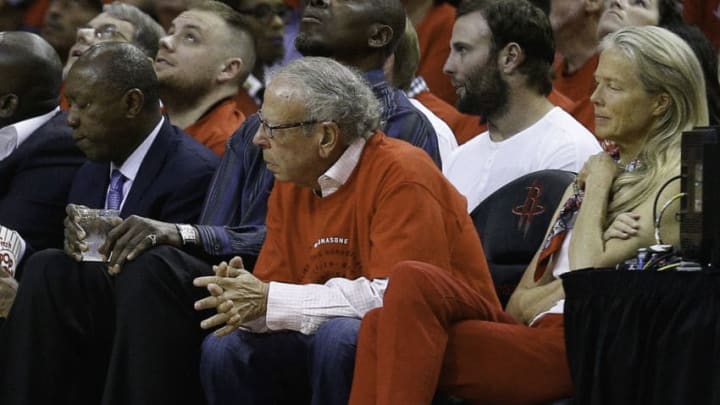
170, 185
34, 184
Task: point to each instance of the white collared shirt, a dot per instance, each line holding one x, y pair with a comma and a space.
338, 174
13, 135
131, 165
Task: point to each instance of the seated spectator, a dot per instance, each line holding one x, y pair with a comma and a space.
117, 22
666, 15
141, 165
464, 126
574, 24
266, 19
400, 70
436, 332
501, 57
38, 157
624, 13
63, 18
433, 21
337, 224
201, 65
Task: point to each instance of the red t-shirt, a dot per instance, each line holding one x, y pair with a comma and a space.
217, 125
246, 103
578, 87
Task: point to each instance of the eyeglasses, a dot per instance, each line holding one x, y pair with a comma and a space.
268, 129
265, 12
107, 32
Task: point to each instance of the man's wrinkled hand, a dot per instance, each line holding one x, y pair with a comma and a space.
134, 236
236, 294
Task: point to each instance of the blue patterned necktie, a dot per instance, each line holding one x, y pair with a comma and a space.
115, 193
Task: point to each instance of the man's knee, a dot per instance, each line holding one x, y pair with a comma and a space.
410, 281
218, 354
37, 265
338, 336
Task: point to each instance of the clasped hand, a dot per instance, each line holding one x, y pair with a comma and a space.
236, 294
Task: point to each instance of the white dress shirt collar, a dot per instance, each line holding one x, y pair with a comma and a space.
340, 171
12, 136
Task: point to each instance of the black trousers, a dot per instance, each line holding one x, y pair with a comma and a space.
77, 335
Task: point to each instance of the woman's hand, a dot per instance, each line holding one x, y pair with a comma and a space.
624, 226
599, 167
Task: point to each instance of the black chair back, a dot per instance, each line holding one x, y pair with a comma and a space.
512, 223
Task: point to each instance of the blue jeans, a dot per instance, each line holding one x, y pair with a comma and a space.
281, 367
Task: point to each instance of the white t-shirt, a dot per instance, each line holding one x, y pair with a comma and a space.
481, 166
445, 137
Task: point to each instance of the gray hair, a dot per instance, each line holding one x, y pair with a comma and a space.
147, 31
334, 92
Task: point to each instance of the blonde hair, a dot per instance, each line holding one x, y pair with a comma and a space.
665, 65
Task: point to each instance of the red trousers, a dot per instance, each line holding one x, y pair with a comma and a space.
435, 333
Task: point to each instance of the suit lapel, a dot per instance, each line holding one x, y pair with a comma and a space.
149, 169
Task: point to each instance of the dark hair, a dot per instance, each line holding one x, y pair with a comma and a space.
670, 13
123, 66
520, 22
31, 69
704, 51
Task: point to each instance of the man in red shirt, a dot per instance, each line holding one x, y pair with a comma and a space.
350, 206
201, 65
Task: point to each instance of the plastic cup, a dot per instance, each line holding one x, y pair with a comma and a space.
96, 224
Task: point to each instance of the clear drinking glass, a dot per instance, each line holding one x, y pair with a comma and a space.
96, 224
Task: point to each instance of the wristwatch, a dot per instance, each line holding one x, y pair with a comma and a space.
188, 234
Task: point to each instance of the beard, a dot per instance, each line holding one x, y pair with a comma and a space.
486, 92
179, 93
309, 46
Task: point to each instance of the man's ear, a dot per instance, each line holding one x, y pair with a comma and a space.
662, 104
380, 35
231, 68
511, 57
8, 105
133, 100
330, 139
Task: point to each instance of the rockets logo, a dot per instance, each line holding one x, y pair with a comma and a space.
530, 208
